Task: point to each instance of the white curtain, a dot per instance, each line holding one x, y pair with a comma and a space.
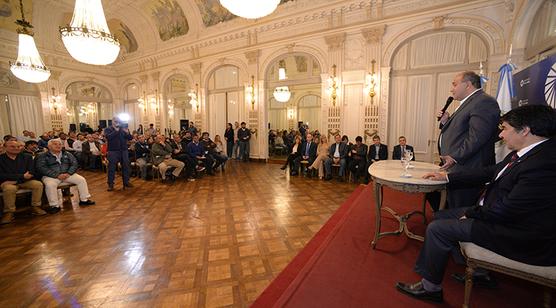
442, 48
4, 120
412, 111
25, 112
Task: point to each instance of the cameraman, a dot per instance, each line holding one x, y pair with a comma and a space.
117, 136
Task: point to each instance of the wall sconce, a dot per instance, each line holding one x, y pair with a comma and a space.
291, 114
194, 95
55, 101
332, 89
370, 82
91, 108
250, 93
154, 101
143, 103
170, 108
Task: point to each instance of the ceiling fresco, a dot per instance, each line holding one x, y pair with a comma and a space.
169, 18
213, 13
123, 34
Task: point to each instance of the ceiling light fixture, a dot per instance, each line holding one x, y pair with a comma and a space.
28, 66
88, 38
250, 9
282, 94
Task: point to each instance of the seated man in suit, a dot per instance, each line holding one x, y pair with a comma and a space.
400, 149
162, 157
58, 167
308, 152
180, 153
197, 151
142, 155
91, 153
377, 151
515, 215
358, 161
17, 170
336, 154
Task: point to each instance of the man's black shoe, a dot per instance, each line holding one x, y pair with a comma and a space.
327, 178
482, 280
418, 291
128, 185
52, 209
88, 202
110, 188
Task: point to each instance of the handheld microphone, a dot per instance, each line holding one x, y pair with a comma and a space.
448, 102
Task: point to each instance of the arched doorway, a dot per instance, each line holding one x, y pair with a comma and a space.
225, 98
303, 105
422, 71
89, 105
176, 92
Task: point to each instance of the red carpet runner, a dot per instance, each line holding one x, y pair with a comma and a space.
338, 268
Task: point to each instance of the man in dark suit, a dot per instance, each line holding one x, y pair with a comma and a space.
336, 154
358, 162
514, 216
400, 149
467, 137
377, 151
90, 153
308, 152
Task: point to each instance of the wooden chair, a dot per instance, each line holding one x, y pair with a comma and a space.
481, 257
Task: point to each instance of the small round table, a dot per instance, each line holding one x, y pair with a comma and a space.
389, 173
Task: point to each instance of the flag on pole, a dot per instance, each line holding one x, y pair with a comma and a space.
484, 78
504, 97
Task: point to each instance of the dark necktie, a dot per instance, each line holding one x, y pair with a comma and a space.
513, 159
307, 147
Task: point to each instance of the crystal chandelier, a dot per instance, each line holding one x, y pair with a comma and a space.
28, 66
250, 9
88, 38
282, 94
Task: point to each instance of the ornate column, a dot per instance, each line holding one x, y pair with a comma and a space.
155, 103
145, 101
257, 110
199, 116
332, 110
373, 37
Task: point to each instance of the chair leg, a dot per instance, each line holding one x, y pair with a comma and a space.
468, 284
547, 297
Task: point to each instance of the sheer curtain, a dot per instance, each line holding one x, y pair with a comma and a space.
4, 120
25, 112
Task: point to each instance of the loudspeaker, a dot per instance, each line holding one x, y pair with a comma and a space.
184, 124
102, 123
73, 128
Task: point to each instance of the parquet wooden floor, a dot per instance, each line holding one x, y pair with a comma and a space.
215, 242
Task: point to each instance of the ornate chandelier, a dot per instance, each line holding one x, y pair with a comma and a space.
250, 9
28, 66
282, 94
88, 38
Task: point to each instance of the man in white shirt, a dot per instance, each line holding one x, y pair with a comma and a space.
91, 153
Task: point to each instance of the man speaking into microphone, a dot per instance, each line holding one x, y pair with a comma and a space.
467, 136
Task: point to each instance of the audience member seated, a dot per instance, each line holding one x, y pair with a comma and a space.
162, 157
219, 153
336, 155
210, 150
58, 167
358, 160
322, 155
31, 148
78, 149
180, 153
43, 140
516, 213
377, 151
17, 171
294, 154
400, 149
197, 151
142, 155
308, 152
91, 153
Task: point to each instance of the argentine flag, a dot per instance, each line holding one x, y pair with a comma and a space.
504, 98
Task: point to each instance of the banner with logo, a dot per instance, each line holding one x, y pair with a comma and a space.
536, 84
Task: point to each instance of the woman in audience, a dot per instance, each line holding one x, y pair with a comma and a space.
229, 136
322, 155
294, 153
219, 150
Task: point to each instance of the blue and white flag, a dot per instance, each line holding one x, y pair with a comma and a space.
504, 97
